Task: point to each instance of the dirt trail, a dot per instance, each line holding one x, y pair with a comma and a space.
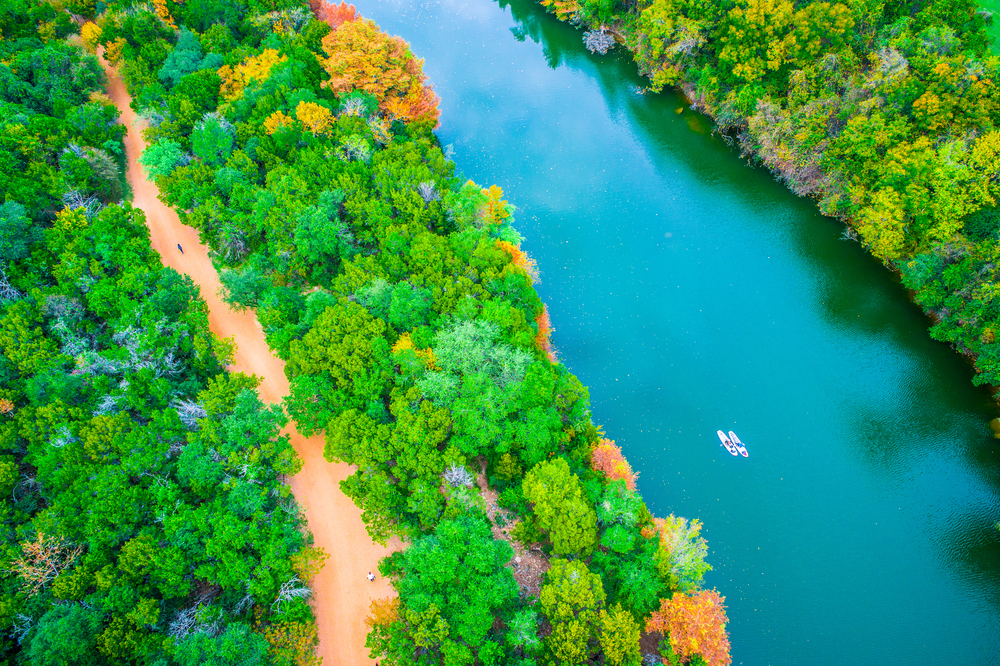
342, 591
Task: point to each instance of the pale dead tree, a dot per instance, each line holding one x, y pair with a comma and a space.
290, 507
283, 21
92, 363
144, 350
849, 234
353, 107
188, 621
85, 282
598, 41
21, 626
356, 148
42, 560
176, 447
157, 479
108, 404
248, 472
234, 244
892, 65
189, 412
7, 292
153, 118
688, 40
91, 205
63, 437
428, 191
184, 623
28, 483
291, 589
457, 475
66, 311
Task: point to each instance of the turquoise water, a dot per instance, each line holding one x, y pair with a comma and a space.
691, 292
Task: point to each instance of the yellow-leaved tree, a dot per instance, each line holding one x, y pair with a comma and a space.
362, 57
882, 224
253, 68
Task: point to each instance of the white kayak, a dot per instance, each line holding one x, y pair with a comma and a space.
727, 443
739, 445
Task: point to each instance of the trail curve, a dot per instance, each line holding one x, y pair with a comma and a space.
342, 593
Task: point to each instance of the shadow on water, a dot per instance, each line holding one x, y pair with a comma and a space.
693, 292
857, 291
892, 437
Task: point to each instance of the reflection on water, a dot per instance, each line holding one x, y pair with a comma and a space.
691, 292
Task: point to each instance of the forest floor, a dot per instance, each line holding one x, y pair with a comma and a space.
342, 593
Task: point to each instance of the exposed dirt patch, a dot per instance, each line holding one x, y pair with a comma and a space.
529, 563
341, 591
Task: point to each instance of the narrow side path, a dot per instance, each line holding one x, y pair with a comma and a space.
342, 593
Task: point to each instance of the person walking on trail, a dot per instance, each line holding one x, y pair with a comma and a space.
180, 248
371, 577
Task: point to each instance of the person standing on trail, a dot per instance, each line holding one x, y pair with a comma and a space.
180, 248
371, 577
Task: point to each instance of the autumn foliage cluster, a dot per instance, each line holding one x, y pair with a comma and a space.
332, 14
520, 259
416, 344
362, 57
695, 624
886, 114
543, 339
608, 458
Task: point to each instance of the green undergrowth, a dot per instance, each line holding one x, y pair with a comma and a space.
400, 299
145, 518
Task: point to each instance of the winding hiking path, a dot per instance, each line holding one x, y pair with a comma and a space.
342, 592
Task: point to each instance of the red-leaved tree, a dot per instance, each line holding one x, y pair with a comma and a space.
543, 339
695, 624
334, 15
608, 458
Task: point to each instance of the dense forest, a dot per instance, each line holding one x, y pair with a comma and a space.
145, 515
887, 113
299, 141
147, 520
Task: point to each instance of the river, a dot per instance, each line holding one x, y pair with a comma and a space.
691, 292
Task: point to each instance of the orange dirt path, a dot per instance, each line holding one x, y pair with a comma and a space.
342, 592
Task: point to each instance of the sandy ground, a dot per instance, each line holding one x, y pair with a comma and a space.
342, 591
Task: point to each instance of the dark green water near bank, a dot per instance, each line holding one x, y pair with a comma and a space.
691, 292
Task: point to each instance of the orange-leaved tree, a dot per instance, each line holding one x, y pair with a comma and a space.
695, 624
608, 458
334, 15
42, 560
520, 259
543, 339
362, 57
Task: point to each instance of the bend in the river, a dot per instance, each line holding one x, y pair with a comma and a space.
691, 292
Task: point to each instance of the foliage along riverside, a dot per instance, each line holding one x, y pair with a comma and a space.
298, 140
145, 519
887, 113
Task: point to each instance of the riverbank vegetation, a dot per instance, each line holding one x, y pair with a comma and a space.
886, 113
399, 296
145, 517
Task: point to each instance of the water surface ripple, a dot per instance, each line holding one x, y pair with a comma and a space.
691, 292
